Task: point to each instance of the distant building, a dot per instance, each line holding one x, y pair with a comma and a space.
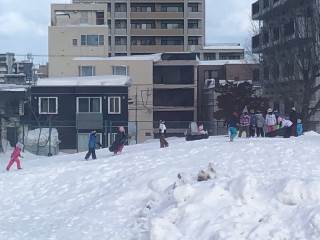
15, 72
12, 98
101, 28
213, 73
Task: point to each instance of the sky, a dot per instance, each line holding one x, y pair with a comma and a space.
24, 24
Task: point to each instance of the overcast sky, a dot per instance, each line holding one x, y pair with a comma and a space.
24, 24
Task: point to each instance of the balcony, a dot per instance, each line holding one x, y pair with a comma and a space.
120, 31
195, 15
120, 48
156, 15
122, 15
156, 32
263, 8
89, 121
156, 48
195, 32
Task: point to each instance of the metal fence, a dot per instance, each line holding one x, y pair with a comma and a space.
46, 138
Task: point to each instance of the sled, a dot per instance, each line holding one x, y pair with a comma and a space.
277, 133
195, 133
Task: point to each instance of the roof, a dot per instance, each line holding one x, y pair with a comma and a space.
223, 47
106, 80
150, 57
13, 88
226, 62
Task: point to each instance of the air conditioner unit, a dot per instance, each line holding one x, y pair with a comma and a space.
210, 83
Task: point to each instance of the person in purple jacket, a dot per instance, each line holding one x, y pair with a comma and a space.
244, 124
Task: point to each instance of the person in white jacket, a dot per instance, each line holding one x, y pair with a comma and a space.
286, 124
271, 121
162, 132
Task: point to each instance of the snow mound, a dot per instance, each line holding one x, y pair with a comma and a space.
265, 189
311, 133
297, 191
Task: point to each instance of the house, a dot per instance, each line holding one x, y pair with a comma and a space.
77, 105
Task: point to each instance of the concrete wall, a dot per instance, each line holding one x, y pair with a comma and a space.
62, 51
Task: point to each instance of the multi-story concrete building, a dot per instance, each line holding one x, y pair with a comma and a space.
125, 27
289, 45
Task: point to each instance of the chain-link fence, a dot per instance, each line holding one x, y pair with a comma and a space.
48, 138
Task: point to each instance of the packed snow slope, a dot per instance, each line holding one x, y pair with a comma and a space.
263, 189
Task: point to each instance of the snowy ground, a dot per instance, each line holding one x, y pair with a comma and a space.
264, 189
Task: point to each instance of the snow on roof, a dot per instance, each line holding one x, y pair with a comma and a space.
12, 88
151, 57
226, 62
223, 47
106, 80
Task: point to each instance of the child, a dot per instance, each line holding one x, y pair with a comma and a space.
119, 141
286, 124
233, 124
299, 127
15, 157
162, 132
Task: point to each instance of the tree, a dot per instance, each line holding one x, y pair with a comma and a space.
236, 96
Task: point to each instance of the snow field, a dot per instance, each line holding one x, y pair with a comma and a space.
264, 189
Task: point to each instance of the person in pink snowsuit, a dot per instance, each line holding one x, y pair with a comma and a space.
16, 154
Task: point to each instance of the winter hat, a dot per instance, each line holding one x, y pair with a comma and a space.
19, 145
270, 110
121, 129
299, 121
293, 109
280, 119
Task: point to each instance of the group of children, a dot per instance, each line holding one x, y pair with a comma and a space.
255, 124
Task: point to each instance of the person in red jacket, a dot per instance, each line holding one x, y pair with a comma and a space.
16, 154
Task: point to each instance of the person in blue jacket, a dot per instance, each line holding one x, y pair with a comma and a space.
92, 145
233, 124
299, 127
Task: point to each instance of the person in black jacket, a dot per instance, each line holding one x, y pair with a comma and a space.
119, 142
293, 117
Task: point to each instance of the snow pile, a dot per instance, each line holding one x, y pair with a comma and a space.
262, 189
42, 136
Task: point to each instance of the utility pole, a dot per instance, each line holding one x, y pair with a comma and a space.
136, 114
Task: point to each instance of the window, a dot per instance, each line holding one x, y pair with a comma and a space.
193, 40
172, 8
48, 105
75, 42
170, 24
193, 7
85, 71
114, 105
120, 70
99, 18
193, 24
120, 7
172, 41
89, 105
120, 41
92, 40
120, 24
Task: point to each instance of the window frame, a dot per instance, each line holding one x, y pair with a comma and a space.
47, 113
109, 104
93, 71
115, 66
100, 106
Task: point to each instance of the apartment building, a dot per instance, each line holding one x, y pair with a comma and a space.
288, 43
124, 27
